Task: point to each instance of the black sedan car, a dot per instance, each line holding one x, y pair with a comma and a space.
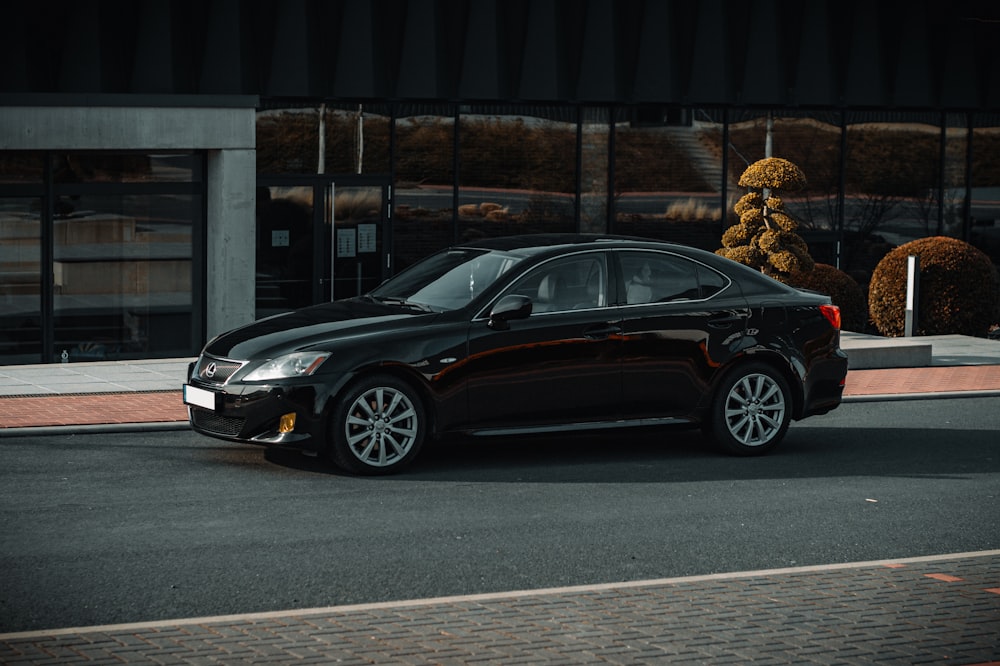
528, 334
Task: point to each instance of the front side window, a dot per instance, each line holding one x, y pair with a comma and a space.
576, 283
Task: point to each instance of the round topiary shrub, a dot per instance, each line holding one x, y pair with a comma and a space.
958, 289
842, 289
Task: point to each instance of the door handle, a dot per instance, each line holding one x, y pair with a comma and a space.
726, 321
602, 331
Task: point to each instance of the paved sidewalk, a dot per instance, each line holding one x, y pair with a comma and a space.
146, 393
932, 610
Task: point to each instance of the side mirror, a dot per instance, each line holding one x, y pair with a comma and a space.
508, 308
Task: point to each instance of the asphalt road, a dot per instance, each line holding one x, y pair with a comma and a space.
100, 528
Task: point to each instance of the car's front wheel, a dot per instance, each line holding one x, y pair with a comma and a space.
377, 427
751, 411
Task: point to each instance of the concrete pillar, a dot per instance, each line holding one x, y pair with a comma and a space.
230, 245
224, 127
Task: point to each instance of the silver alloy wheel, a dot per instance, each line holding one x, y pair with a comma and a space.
755, 409
381, 426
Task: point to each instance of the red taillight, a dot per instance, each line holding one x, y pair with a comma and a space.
832, 314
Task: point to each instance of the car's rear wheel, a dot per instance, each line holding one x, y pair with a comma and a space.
751, 410
377, 427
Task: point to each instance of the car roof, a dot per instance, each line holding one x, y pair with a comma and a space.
540, 245
534, 243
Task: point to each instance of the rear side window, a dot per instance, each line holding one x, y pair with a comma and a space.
656, 277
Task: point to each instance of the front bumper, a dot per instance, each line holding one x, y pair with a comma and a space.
252, 413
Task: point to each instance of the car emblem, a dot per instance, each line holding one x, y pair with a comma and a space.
210, 370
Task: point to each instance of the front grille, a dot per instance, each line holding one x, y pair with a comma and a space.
216, 370
212, 422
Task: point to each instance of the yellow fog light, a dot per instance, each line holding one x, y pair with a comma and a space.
287, 423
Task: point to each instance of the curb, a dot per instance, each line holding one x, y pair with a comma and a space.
90, 429
934, 395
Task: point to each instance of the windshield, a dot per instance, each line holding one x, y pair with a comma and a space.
448, 280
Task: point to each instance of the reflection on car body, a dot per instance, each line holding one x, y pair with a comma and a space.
528, 334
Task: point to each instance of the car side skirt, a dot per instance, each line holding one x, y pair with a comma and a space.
580, 427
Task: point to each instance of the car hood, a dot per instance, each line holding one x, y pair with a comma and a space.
310, 327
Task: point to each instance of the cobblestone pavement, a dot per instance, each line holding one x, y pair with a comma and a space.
930, 610
934, 610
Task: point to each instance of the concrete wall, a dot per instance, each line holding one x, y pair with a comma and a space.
228, 133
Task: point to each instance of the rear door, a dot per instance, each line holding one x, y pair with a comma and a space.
680, 321
561, 364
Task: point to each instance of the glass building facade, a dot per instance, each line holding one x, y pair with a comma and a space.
171, 170
459, 172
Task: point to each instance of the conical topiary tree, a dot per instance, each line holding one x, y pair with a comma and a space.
765, 237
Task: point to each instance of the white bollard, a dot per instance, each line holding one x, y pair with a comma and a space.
912, 287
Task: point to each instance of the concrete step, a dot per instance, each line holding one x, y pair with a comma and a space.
869, 352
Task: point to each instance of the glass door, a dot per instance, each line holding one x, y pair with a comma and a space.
319, 238
359, 262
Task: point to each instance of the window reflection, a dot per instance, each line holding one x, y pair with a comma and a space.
122, 275
423, 219
594, 162
111, 167
21, 167
517, 171
892, 176
984, 204
20, 281
356, 139
668, 177
288, 140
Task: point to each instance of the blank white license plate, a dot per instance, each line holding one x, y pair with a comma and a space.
199, 397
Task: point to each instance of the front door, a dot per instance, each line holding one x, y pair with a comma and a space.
562, 364
319, 238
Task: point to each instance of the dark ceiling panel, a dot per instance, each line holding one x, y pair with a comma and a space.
80, 58
596, 81
541, 61
914, 80
762, 77
288, 74
709, 81
816, 77
226, 67
419, 64
481, 76
903, 54
959, 75
865, 84
153, 65
14, 33
355, 74
655, 76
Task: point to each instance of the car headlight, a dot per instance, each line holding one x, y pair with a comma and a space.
299, 364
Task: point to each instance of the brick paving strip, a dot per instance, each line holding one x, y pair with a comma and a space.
935, 379
92, 409
916, 610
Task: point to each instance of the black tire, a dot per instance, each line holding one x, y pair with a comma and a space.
751, 410
378, 427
